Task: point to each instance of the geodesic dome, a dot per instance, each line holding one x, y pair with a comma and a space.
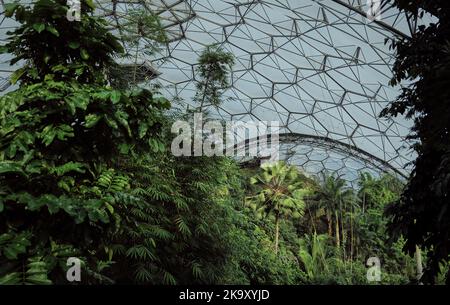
319, 67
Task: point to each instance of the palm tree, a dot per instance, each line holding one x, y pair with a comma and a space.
281, 190
367, 187
332, 194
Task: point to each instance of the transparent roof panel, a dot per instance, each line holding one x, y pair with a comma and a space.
320, 67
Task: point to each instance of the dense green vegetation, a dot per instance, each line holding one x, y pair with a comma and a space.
422, 214
86, 171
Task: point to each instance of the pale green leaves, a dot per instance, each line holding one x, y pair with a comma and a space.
115, 96
142, 130
109, 180
39, 27
91, 120
50, 132
90, 3
79, 100
17, 75
10, 167
122, 118
66, 168
280, 190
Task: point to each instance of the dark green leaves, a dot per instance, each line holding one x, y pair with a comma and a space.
52, 30
62, 133
50, 132
68, 167
45, 24
10, 167
13, 244
74, 44
421, 215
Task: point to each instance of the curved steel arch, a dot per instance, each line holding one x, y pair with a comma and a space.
333, 145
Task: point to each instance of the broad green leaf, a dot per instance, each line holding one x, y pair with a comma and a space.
52, 30
10, 8
90, 3
74, 44
115, 96
84, 54
102, 95
17, 75
79, 100
91, 120
61, 132
47, 135
122, 118
142, 130
64, 131
39, 27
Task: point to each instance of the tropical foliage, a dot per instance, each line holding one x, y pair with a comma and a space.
422, 214
86, 172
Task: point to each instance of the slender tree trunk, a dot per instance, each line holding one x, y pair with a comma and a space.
277, 232
204, 91
344, 234
330, 225
364, 202
351, 235
338, 240
419, 266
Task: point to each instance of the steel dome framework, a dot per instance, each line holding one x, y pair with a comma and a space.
319, 67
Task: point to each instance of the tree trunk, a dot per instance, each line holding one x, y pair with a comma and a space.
351, 235
204, 91
277, 232
364, 202
330, 226
344, 234
338, 240
418, 256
